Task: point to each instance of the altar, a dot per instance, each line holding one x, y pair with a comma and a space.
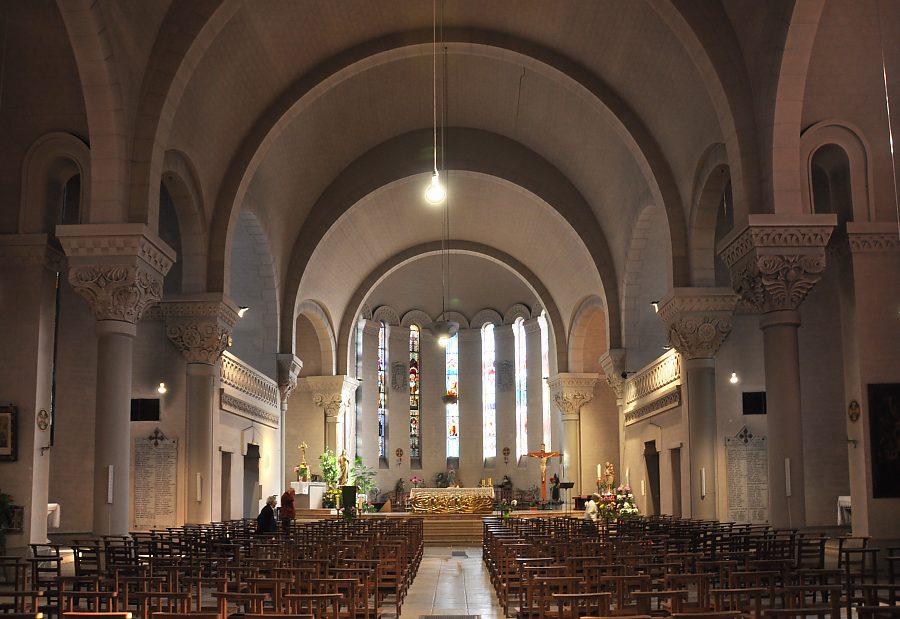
451, 500
308, 494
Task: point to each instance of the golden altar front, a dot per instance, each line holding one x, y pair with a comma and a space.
451, 500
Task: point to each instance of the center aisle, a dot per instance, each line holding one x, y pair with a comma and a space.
451, 585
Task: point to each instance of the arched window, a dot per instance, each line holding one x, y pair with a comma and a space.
415, 446
545, 376
488, 393
452, 382
382, 392
70, 209
521, 388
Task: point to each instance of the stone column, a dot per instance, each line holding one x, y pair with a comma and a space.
118, 269
569, 392
698, 321
613, 364
200, 327
288, 366
335, 396
775, 261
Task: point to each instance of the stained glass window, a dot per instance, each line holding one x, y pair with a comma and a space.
488, 392
452, 364
382, 391
415, 448
545, 376
521, 388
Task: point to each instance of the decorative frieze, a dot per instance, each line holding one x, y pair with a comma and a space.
239, 406
24, 250
570, 392
866, 237
661, 404
775, 262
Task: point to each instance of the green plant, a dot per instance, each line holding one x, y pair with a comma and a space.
363, 478
330, 471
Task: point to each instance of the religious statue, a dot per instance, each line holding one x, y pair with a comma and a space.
543, 456
451, 479
609, 476
343, 464
303, 467
554, 488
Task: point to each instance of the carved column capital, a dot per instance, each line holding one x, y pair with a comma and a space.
333, 394
117, 268
571, 391
698, 319
289, 366
200, 326
613, 364
776, 260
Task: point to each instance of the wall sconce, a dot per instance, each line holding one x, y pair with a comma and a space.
655, 306
242, 310
399, 454
161, 389
506, 455
734, 378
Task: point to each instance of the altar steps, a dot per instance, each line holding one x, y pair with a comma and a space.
462, 530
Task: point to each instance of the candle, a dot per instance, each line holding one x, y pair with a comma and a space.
599, 471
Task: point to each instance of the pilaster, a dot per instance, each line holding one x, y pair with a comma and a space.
570, 392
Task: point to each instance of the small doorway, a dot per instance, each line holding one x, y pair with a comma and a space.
225, 508
251, 481
651, 459
676, 482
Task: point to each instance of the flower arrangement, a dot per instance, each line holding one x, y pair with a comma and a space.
302, 471
417, 481
617, 502
506, 506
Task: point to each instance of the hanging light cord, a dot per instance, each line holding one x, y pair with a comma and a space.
434, 78
887, 105
445, 297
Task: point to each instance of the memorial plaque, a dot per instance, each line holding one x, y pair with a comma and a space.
155, 474
747, 477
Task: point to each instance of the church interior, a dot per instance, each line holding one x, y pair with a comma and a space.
648, 244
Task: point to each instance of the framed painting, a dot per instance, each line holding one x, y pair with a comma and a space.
8, 437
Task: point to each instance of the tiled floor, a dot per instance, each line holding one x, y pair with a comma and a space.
451, 585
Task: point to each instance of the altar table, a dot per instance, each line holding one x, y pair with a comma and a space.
451, 500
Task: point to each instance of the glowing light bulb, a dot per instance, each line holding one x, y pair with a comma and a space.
161, 388
443, 341
242, 311
435, 193
734, 378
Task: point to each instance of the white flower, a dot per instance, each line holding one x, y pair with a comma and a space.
514, 503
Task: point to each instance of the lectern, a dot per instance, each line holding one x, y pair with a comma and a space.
567, 485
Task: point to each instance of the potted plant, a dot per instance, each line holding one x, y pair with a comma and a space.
330, 475
363, 478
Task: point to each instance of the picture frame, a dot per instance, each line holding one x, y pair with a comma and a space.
8, 433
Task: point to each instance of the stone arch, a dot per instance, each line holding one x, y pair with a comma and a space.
254, 285
187, 31
589, 316
710, 181
639, 325
786, 173
474, 150
356, 303
516, 311
415, 317
104, 104
850, 139
386, 314
180, 180
51, 161
458, 317
486, 315
320, 321
255, 146
706, 32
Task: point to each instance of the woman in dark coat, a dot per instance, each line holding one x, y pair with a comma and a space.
287, 509
265, 522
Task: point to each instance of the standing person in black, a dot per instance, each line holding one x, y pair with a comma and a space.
265, 522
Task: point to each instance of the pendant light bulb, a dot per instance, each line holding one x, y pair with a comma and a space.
443, 341
435, 193
162, 388
734, 378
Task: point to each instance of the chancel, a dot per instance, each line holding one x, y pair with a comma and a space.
658, 260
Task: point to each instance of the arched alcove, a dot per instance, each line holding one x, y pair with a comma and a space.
587, 338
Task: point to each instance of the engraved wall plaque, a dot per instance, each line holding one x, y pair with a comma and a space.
155, 475
747, 477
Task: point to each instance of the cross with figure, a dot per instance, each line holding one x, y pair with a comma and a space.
543, 456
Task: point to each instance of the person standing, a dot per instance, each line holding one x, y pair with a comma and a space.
591, 510
287, 509
265, 522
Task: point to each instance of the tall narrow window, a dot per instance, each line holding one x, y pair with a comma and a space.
521, 388
359, 392
415, 448
452, 364
545, 376
488, 393
382, 392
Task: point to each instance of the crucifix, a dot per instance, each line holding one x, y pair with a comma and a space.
543, 456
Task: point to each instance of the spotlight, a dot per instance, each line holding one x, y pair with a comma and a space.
162, 388
655, 306
242, 310
734, 378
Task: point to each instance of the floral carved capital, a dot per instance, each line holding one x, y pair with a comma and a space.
117, 291
199, 341
570, 392
613, 364
698, 337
